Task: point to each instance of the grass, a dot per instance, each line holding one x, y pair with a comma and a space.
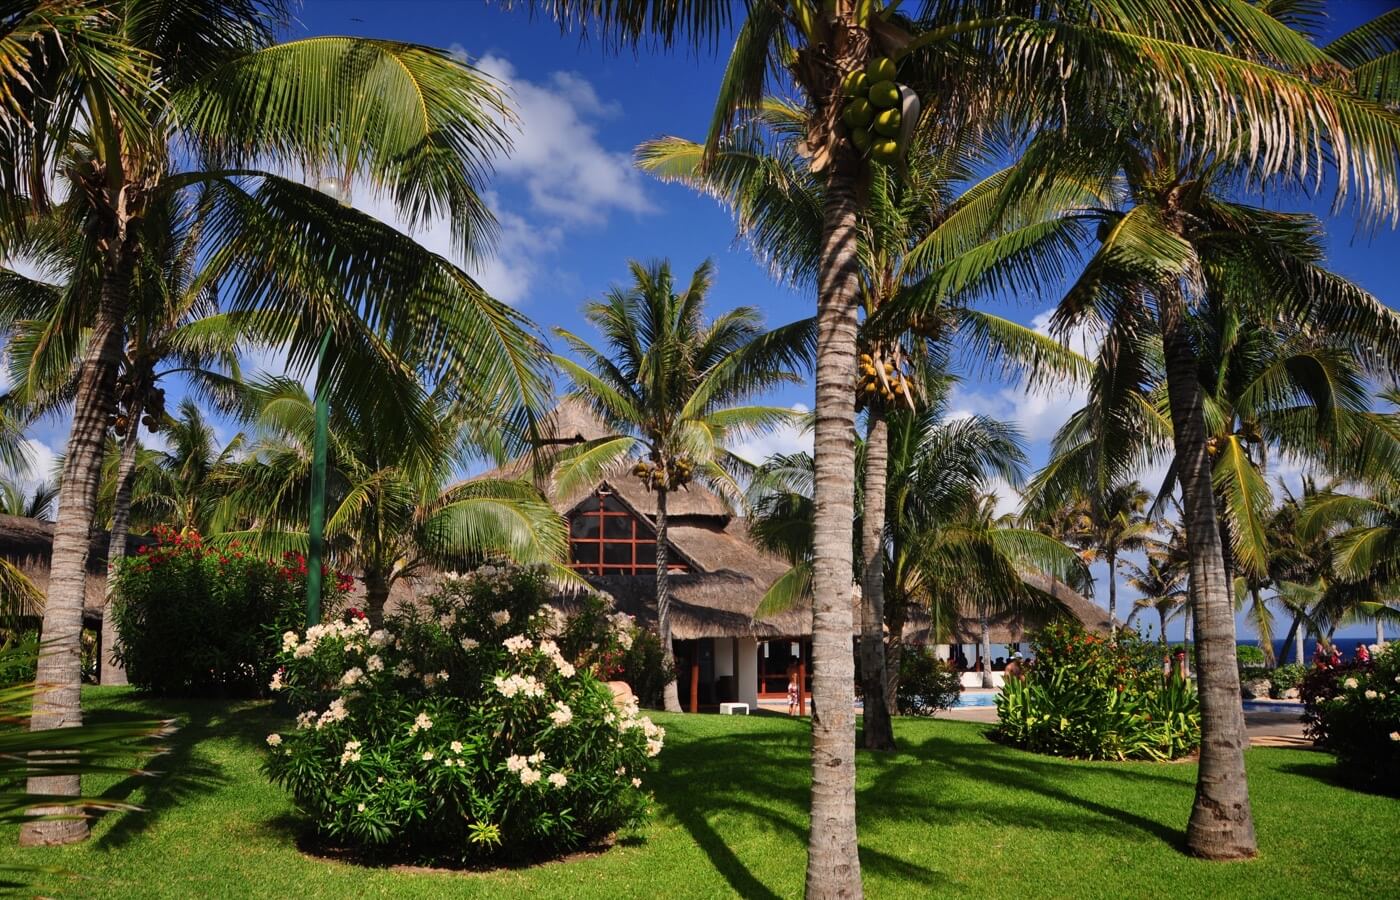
952, 814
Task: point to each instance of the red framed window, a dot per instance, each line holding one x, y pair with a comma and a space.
606, 539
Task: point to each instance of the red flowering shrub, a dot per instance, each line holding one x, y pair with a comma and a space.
198, 620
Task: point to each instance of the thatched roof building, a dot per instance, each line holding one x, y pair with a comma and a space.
28, 544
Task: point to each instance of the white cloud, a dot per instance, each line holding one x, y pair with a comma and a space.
783, 439
568, 174
41, 459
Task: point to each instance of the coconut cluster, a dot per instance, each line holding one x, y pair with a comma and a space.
129, 393
874, 111
882, 380
657, 476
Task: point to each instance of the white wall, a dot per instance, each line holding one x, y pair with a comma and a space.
746, 672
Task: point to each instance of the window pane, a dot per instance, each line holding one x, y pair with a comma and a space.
585, 553
616, 554
618, 527
584, 526
611, 504
646, 554
589, 505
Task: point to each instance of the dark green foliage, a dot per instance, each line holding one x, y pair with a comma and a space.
1249, 657
613, 648
1088, 697
1286, 677
1353, 711
196, 621
926, 684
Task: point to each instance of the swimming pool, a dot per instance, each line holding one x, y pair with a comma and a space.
971, 699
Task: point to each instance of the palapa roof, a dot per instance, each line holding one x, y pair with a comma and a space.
28, 543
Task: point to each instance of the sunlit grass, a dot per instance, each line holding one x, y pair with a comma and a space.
952, 814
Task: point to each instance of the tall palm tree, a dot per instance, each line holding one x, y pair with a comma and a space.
931, 216
393, 511
1161, 581
136, 101
1104, 525
1038, 63
670, 386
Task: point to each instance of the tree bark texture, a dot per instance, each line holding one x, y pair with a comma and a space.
984, 650
113, 672
1221, 824
896, 613
670, 694
1112, 594
833, 863
878, 730
377, 589
59, 675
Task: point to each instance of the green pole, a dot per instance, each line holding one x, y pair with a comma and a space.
317, 524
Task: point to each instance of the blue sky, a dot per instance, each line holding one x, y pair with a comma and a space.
573, 210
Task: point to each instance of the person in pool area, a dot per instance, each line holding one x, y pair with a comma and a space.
1013, 667
794, 692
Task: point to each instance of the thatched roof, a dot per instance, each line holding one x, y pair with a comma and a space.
28, 543
1011, 628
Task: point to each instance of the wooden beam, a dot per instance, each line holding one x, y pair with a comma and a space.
695, 679
802, 687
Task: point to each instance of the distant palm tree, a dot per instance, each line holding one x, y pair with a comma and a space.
37, 503
393, 509
671, 387
1162, 583
1104, 525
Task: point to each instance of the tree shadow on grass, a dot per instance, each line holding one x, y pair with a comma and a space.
181, 772
763, 777
1333, 774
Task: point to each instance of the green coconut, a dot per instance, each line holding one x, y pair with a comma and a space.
862, 139
881, 68
884, 94
858, 113
856, 84
885, 151
888, 122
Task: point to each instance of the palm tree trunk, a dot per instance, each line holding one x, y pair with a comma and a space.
59, 675
670, 695
833, 862
1221, 825
1162, 618
878, 730
1266, 641
1112, 594
376, 595
113, 672
1293, 641
1380, 630
984, 650
895, 613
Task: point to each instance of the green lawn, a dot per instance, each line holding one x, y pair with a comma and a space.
952, 815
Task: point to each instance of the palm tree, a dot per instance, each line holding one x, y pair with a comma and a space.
393, 509
668, 384
36, 503
1162, 582
1053, 62
132, 103
915, 226
1106, 524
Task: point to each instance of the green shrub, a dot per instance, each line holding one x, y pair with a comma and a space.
926, 683
1353, 711
1285, 678
1249, 657
19, 656
614, 648
459, 735
1092, 698
194, 620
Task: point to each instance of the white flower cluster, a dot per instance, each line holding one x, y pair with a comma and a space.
561, 715
276, 684
523, 766
518, 644
1374, 695
1395, 735
524, 685
306, 719
501, 617
558, 779
351, 676
420, 723
656, 735
1350, 683
379, 638
274, 740
336, 713
351, 754
470, 644
455, 747
347, 631
403, 669
551, 649
374, 663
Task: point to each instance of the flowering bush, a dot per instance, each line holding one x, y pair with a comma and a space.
926, 683
1089, 697
1353, 711
460, 735
614, 648
196, 620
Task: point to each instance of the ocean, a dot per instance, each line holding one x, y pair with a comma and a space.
1347, 646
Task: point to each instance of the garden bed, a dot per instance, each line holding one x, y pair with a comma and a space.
951, 814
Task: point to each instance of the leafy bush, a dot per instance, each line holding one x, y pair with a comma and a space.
1092, 698
463, 735
614, 648
1353, 711
1249, 657
1285, 678
194, 620
19, 656
926, 683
